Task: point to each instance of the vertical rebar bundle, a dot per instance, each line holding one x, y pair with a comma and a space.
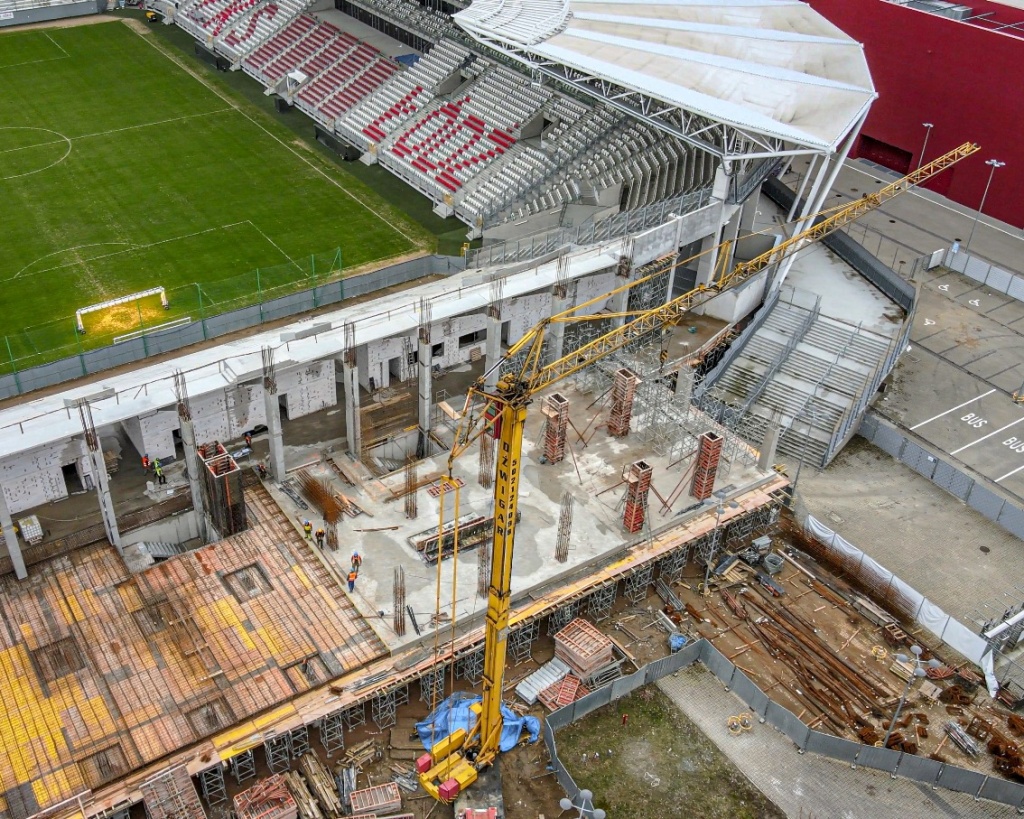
486, 474
398, 601
483, 568
556, 410
411, 505
564, 528
321, 495
332, 536
638, 483
623, 391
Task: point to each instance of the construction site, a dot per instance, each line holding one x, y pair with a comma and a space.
389, 555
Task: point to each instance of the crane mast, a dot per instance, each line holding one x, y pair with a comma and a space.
458, 758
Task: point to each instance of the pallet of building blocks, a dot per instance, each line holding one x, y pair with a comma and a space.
378, 799
563, 692
583, 648
267, 799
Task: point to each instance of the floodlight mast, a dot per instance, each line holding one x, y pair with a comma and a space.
501, 412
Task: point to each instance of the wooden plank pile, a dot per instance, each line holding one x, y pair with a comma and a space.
321, 784
567, 690
267, 799
583, 648
308, 807
377, 799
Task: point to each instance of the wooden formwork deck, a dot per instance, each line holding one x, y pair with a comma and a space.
103, 671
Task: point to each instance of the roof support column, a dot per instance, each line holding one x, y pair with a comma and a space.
350, 377
492, 348
11, 539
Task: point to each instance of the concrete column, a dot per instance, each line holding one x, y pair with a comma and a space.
708, 261
768, 446
425, 360
748, 215
106, 501
350, 376
492, 348
192, 467
556, 330
619, 303
11, 539
275, 434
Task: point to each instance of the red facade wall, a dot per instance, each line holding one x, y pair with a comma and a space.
967, 81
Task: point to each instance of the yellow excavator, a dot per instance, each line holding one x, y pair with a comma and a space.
455, 761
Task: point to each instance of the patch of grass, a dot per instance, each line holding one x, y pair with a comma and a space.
660, 764
122, 171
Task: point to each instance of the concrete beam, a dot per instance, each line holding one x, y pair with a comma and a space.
11, 539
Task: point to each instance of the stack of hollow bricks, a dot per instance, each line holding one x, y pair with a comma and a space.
269, 799
376, 799
638, 484
709, 451
623, 391
556, 409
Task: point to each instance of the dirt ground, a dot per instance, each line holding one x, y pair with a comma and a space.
658, 761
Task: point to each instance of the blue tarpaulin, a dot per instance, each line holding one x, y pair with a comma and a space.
454, 713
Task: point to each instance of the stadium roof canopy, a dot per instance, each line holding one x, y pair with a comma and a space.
740, 78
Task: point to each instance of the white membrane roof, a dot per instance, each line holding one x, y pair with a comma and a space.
776, 67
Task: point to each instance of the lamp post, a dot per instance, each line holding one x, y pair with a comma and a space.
993, 164
585, 797
928, 132
919, 672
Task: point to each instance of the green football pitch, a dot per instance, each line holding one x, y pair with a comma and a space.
121, 172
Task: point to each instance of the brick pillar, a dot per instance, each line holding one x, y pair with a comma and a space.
623, 391
556, 410
709, 451
638, 483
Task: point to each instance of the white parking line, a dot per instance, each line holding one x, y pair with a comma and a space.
984, 437
952, 409
1012, 472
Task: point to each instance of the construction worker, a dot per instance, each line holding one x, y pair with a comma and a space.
261, 468
145, 463
320, 535
307, 527
248, 439
159, 472
357, 562
352, 575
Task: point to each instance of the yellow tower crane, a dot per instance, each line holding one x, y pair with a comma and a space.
501, 412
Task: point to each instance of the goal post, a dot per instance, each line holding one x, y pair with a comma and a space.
131, 297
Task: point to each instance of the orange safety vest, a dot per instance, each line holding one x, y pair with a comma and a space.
352, 576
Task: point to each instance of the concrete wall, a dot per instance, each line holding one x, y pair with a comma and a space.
45, 13
738, 302
933, 69
176, 529
36, 478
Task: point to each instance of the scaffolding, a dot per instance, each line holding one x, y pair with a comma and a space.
670, 567
384, 709
171, 795
561, 617
243, 766
332, 734
600, 603
213, 786
634, 585
564, 528
555, 409
354, 716
469, 666
222, 490
520, 641
432, 685
278, 753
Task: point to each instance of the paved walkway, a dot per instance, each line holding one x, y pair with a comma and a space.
807, 786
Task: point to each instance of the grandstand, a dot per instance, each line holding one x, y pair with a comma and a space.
519, 110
